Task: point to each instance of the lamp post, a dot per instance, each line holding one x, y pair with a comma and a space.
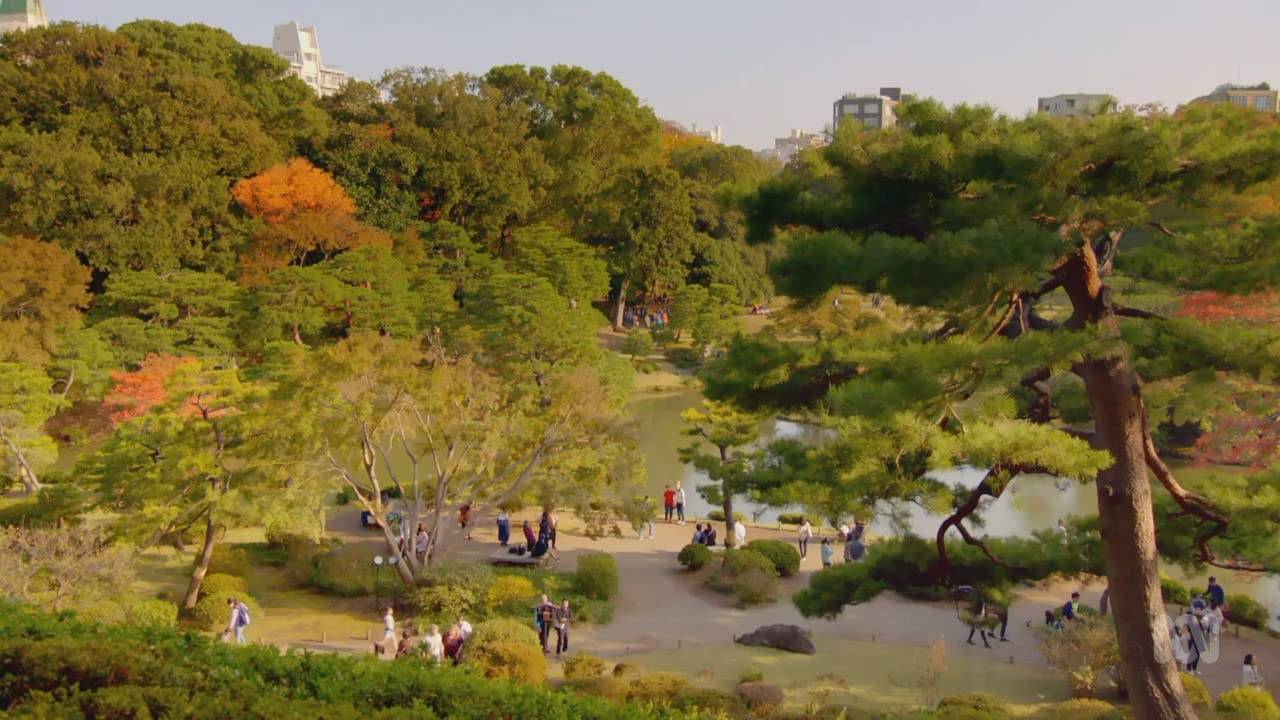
377, 582
395, 594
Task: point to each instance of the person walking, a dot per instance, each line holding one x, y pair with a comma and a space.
1249, 674
435, 644
977, 621
1195, 642
806, 534
563, 619
504, 528
680, 502
465, 628
1216, 592
453, 644
421, 542
1002, 613
669, 503
546, 614
827, 553
553, 522
388, 644
739, 533
464, 519
239, 620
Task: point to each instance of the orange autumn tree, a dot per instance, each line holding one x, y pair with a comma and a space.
307, 218
137, 391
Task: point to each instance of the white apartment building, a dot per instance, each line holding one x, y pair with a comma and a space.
301, 47
869, 111
22, 15
786, 148
1072, 104
713, 134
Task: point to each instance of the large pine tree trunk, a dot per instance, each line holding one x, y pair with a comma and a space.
1129, 540
620, 309
202, 563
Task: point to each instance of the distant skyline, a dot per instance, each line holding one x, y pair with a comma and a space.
760, 68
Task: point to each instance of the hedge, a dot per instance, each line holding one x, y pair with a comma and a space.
1248, 612
1197, 691
57, 666
215, 583
784, 556
694, 556
1247, 703
597, 576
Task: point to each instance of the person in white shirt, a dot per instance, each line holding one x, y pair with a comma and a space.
388, 644
806, 534
1250, 674
740, 532
1211, 620
435, 643
421, 542
680, 502
464, 627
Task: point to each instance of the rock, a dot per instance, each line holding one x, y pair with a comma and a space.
791, 638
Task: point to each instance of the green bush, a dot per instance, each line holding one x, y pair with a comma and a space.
583, 666
718, 516
708, 701
597, 576
1197, 691
229, 560
1078, 710
656, 688
107, 612
60, 667
749, 674
586, 610
791, 518
736, 562
1248, 612
54, 503
222, 583
344, 496
153, 613
1174, 592
754, 587
784, 555
993, 706
1247, 703
510, 660
508, 589
501, 630
760, 697
212, 612
452, 590
607, 687
694, 556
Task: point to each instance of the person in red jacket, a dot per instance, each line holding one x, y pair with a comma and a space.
669, 502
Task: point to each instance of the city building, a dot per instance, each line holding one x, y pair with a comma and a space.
868, 111
21, 15
301, 47
713, 134
1073, 104
1259, 97
785, 148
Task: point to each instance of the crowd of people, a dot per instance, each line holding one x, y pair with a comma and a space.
440, 648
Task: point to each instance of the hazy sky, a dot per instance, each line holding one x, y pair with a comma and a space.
759, 68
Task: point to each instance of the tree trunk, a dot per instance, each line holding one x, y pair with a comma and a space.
621, 307
1129, 540
297, 334
730, 540
26, 473
202, 564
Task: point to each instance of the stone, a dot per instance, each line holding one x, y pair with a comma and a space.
791, 638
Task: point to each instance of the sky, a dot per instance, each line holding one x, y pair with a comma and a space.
758, 68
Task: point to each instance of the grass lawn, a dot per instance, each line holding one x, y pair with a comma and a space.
867, 675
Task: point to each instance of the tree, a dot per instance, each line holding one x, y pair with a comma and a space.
730, 432
26, 404
134, 155
182, 312
42, 287
204, 453
60, 567
1017, 226
445, 431
574, 270
710, 315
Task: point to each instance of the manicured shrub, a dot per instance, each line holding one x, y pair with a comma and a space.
760, 697
623, 669
751, 673
791, 518
348, 574
1080, 709
754, 587
153, 613
694, 556
993, 706
708, 701
583, 666
1248, 612
607, 687
1246, 702
1174, 592
657, 688
223, 583
736, 562
1197, 691
212, 612
784, 556
597, 576
107, 612
452, 590
509, 589
229, 560
718, 516
501, 630
588, 611
511, 660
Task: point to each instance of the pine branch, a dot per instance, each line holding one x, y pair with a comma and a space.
1132, 312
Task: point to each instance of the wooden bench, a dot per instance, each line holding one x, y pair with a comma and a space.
503, 556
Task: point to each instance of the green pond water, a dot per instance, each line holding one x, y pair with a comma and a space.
1032, 503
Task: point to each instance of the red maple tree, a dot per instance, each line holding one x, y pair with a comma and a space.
136, 392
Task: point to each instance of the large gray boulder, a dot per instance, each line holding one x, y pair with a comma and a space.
791, 638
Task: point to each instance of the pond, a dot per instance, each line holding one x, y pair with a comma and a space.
1032, 503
